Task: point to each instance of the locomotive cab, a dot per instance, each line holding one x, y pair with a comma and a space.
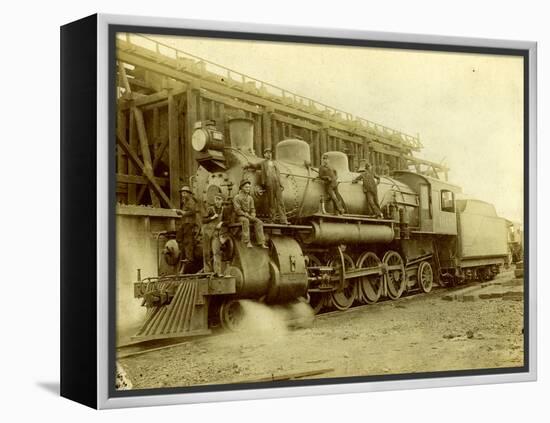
437, 202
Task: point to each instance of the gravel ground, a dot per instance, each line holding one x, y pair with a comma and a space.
424, 333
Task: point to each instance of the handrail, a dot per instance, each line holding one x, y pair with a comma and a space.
299, 100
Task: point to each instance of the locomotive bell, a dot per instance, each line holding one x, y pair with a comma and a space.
206, 137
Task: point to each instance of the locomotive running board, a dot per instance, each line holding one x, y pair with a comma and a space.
186, 315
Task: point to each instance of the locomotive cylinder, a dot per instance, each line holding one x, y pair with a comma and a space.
327, 233
278, 275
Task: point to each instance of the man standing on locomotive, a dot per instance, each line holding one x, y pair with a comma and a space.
213, 237
270, 180
330, 177
243, 205
370, 188
185, 234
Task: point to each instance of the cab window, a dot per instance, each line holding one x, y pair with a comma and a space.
425, 199
447, 201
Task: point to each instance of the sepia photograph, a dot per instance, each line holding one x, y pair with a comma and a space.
302, 211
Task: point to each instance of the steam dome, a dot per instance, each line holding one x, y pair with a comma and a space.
293, 151
338, 161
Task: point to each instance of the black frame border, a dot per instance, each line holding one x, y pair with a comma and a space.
78, 207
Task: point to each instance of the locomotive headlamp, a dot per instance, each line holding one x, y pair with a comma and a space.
206, 136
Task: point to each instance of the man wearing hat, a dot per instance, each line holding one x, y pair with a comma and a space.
185, 234
370, 188
243, 205
213, 236
270, 180
330, 178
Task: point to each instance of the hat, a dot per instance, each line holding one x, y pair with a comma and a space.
244, 182
185, 188
267, 149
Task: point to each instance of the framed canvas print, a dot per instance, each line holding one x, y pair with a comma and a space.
265, 211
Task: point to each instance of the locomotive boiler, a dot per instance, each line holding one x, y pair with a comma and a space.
223, 166
327, 260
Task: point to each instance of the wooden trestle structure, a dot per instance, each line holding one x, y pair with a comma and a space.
162, 92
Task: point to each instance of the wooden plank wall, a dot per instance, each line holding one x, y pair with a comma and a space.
158, 126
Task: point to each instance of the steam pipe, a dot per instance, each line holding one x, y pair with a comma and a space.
327, 233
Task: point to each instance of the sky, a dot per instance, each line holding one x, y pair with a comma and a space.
466, 108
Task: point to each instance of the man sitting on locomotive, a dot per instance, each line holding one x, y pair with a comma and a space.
330, 177
270, 179
243, 205
370, 189
185, 234
213, 236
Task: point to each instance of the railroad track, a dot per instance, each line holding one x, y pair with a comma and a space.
145, 347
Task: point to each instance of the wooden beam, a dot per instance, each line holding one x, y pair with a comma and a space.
149, 99
426, 163
275, 127
258, 135
380, 149
156, 124
201, 108
266, 128
145, 151
295, 122
139, 180
211, 109
220, 121
123, 78
132, 135
190, 119
231, 102
316, 153
338, 134
146, 172
324, 141
156, 161
141, 57
138, 83
173, 150
124, 210
122, 161
155, 106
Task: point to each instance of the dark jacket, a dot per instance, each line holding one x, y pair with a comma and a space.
369, 182
266, 170
214, 215
188, 211
212, 218
329, 175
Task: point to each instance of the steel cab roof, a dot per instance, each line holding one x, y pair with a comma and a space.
435, 183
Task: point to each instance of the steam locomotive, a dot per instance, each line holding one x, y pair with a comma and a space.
428, 235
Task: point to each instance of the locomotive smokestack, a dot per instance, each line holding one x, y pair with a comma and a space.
241, 133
